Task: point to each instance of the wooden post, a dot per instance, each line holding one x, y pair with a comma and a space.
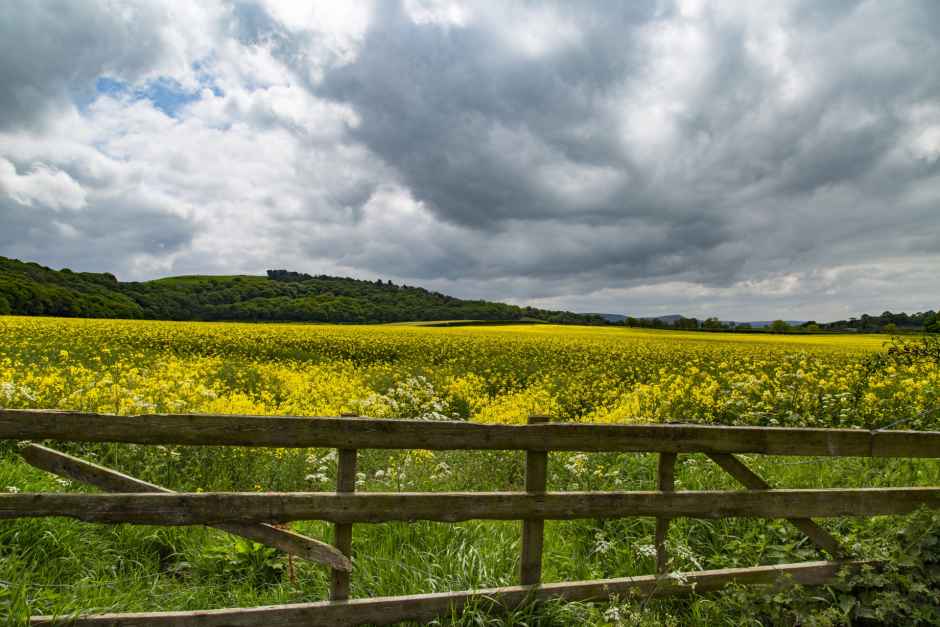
536, 474
665, 483
342, 532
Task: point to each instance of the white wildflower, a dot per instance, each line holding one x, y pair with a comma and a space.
646, 550
612, 615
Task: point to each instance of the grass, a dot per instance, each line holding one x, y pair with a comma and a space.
64, 566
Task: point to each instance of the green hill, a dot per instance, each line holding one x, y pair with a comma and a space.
30, 289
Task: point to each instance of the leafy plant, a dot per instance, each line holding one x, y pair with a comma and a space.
903, 588
245, 560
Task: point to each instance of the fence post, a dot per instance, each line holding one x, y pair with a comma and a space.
536, 471
665, 480
342, 532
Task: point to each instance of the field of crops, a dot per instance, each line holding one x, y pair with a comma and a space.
485, 374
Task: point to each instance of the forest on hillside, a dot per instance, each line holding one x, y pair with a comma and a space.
31, 289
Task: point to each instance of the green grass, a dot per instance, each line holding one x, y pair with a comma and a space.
63, 566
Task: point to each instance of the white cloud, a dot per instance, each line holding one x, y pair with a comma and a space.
444, 12
43, 185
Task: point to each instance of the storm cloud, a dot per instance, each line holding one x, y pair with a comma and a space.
727, 158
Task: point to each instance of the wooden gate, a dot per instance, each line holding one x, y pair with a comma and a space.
251, 514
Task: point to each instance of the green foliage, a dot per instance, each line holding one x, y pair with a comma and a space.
712, 324
925, 320
282, 296
901, 351
903, 589
932, 322
31, 289
779, 326
244, 560
905, 352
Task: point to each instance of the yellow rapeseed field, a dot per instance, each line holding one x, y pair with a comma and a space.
486, 374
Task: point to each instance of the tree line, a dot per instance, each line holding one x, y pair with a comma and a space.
31, 289
887, 322
28, 288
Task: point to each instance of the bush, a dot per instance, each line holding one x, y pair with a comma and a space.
903, 589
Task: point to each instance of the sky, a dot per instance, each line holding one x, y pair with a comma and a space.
745, 160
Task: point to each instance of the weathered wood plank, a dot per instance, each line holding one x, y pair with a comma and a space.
342, 532
665, 479
83, 471
364, 433
533, 530
226, 507
425, 607
750, 480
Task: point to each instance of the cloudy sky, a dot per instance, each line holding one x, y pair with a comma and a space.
741, 159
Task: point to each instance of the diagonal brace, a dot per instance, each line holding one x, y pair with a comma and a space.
109, 480
746, 477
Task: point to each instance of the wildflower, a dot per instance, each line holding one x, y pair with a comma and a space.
646, 550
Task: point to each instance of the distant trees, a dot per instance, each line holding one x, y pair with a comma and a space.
28, 288
690, 324
779, 326
31, 289
712, 324
645, 323
866, 323
283, 295
932, 322
287, 275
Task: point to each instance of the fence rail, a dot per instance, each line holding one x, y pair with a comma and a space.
210, 508
112, 481
251, 514
424, 607
367, 433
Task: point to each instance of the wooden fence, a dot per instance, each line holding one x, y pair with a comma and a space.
251, 515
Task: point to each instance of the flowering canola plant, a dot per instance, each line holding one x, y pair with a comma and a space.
485, 374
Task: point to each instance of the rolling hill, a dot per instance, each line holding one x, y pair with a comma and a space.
31, 289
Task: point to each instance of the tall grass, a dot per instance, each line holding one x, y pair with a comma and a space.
61, 566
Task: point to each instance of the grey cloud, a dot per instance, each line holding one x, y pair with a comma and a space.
51, 52
108, 237
579, 155
468, 123
450, 108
